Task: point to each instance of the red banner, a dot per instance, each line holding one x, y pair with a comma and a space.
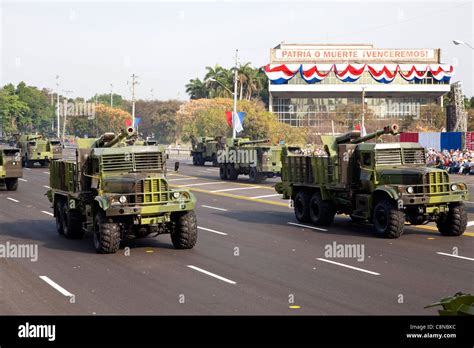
469, 140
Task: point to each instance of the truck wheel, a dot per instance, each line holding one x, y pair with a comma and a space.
11, 184
388, 220
301, 206
106, 235
357, 220
57, 214
231, 172
255, 177
202, 159
321, 212
223, 172
184, 234
195, 163
453, 223
71, 223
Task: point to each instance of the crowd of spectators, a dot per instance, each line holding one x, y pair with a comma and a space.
454, 161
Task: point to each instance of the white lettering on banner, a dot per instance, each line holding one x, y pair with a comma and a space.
428, 55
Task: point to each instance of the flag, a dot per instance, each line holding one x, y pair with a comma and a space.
228, 116
137, 121
238, 122
128, 122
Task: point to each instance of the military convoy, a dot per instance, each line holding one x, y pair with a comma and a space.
118, 192
384, 183
206, 149
35, 149
10, 167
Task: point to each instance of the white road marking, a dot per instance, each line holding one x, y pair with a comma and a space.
470, 223
57, 286
457, 256
212, 274
213, 231
347, 266
236, 189
305, 226
181, 179
208, 206
205, 183
46, 173
46, 186
211, 170
13, 200
26, 168
266, 196
47, 212
22, 180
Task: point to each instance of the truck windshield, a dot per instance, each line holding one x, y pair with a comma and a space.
400, 156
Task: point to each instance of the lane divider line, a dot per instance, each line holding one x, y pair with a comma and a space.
306, 226
13, 200
347, 266
457, 256
46, 186
209, 207
236, 189
203, 183
46, 173
181, 179
212, 274
265, 196
21, 179
47, 213
470, 223
209, 230
57, 286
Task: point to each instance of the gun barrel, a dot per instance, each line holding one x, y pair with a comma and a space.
102, 141
392, 129
260, 141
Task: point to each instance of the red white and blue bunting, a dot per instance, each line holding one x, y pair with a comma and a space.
382, 73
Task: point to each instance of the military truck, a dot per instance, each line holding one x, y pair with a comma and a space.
10, 167
57, 148
383, 183
119, 192
34, 149
243, 156
206, 149
458, 304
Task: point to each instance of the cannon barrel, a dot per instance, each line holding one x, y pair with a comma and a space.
103, 141
355, 138
249, 142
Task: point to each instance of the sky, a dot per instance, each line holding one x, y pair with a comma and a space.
92, 45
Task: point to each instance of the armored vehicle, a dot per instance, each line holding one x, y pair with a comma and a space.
383, 183
34, 149
10, 167
243, 156
119, 192
458, 304
206, 149
57, 148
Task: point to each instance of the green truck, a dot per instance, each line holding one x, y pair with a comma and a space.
57, 148
119, 192
386, 184
10, 167
243, 156
34, 149
206, 149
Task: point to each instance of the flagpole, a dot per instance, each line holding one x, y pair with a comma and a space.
234, 114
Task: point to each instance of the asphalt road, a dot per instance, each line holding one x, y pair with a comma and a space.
250, 258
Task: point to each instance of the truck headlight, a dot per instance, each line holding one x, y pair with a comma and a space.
410, 189
123, 199
454, 187
176, 195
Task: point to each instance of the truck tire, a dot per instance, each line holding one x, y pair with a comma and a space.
301, 206
388, 220
184, 234
255, 177
321, 212
106, 235
357, 220
11, 184
71, 223
223, 172
57, 214
195, 162
231, 172
455, 222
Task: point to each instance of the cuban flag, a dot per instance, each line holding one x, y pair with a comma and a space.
312, 73
238, 120
383, 73
442, 72
281, 73
349, 72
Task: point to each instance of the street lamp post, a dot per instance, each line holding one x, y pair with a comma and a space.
460, 42
57, 106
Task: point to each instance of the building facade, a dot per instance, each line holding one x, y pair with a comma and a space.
314, 85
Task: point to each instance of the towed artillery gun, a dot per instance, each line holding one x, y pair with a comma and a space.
383, 183
255, 158
118, 193
10, 167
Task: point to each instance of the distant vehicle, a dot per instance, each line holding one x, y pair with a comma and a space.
118, 192
34, 149
10, 167
205, 149
255, 158
384, 183
57, 148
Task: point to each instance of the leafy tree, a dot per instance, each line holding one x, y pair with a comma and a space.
13, 111
197, 89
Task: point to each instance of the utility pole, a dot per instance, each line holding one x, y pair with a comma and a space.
234, 114
57, 105
65, 114
111, 95
134, 82
362, 127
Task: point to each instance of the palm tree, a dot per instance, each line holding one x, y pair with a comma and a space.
197, 89
217, 77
